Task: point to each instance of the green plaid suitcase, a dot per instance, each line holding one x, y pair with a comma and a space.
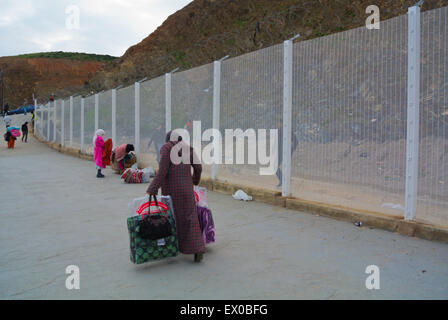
143, 250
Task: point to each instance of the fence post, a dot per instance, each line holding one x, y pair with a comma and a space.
55, 117
51, 116
63, 123
35, 115
168, 99
71, 121
38, 120
413, 106
97, 100
114, 117
168, 102
137, 119
48, 121
216, 106
82, 124
287, 115
42, 121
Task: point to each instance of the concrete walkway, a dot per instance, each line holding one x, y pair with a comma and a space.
55, 213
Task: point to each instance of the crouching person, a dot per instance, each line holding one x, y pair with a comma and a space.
123, 158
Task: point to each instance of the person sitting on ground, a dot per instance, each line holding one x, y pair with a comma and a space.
121, 154
98, 143
25, 131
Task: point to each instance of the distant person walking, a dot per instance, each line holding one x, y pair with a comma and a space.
7, 120
177, 181
25, 131
189, 127
294, 144
157, 137
33, 117
6, 109
98, 143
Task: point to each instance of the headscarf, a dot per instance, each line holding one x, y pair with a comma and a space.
174, 135
99, 132
120, 152
175, 139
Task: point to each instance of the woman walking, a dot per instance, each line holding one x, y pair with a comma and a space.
176, 181
98, 143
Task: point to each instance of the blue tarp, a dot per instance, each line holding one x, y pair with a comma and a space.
22, 109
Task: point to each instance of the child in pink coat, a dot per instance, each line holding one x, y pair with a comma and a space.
98, 143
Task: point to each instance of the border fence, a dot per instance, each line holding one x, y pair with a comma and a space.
363, 115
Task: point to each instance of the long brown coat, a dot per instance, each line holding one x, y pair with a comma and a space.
177, 181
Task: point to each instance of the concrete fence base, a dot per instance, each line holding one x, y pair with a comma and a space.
369, 219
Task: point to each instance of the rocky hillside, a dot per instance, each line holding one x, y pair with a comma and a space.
42, 74
201, 32
206, 30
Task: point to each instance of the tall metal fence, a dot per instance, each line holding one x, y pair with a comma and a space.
362, 115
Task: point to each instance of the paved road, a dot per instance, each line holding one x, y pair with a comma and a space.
55, 213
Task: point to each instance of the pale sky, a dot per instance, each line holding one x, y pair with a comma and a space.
105, 26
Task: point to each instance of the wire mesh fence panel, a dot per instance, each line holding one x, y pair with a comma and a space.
67, 122
152, 120
37, 121
89, 123
44, 120
349, 118
251, 99
77, 122
58, 117
192, 100
51, 119
433, 143
49, 123
126, 115
105, 113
